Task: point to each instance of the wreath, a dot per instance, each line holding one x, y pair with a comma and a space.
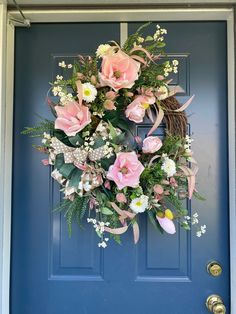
109, 175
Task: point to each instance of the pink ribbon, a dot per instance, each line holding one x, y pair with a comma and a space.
191, 177
159, 118
143, 50
124, 214
80, 91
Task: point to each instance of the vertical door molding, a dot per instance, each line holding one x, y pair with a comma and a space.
232, 156
3, 39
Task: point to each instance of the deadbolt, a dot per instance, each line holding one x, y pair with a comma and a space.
214, 269
215, 304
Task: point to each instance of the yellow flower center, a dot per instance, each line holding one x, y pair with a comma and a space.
87, 92
139, 203
145, 105
169, 214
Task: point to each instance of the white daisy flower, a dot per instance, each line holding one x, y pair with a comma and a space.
139, 204
89, 92
103, 50
169, 167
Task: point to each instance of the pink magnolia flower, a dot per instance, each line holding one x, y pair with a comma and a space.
119, 71
72, 118
136, 109
151, 144
126, 170
166, 224
121, 198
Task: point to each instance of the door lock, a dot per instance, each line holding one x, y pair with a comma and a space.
214, 269
215, 304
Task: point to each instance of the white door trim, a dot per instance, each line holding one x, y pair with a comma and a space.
6, 109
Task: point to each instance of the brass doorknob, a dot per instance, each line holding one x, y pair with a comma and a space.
215, 304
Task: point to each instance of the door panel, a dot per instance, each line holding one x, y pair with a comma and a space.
52, 273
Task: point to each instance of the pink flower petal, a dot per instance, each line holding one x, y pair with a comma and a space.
166, 224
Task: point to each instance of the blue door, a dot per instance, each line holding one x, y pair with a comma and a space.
54, 274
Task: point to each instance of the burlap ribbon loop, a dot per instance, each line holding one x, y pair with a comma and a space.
76, 155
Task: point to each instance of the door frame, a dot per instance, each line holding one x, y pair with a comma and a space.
7, 30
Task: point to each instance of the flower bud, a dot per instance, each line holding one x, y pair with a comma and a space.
111, 95
109, 105
121, 198
158, 189
93, 80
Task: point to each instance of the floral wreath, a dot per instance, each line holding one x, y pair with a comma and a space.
109, 175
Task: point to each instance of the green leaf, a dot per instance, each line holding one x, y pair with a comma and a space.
106, 211
160, 44
154, 222
76, 140
59, 161
112, 130
119, 139
66, 170
149, 38
98, 143
107, 162
75, 177
83, 207
61, 136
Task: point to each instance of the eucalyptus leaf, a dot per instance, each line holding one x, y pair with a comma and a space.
59, 161
99, 142
75, 177
106, 211
154, 222
107, 162
61, 136
112, 130
66, 170
76, 140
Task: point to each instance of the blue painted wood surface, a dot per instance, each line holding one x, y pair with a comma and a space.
53, 274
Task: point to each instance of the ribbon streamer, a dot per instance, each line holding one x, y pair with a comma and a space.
191, 177
159, 117
124, 214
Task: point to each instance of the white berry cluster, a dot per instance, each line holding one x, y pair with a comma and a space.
99, 227
46, 138
188, 142
158, 36
62, 64
201, 231
171, 67
194, 221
